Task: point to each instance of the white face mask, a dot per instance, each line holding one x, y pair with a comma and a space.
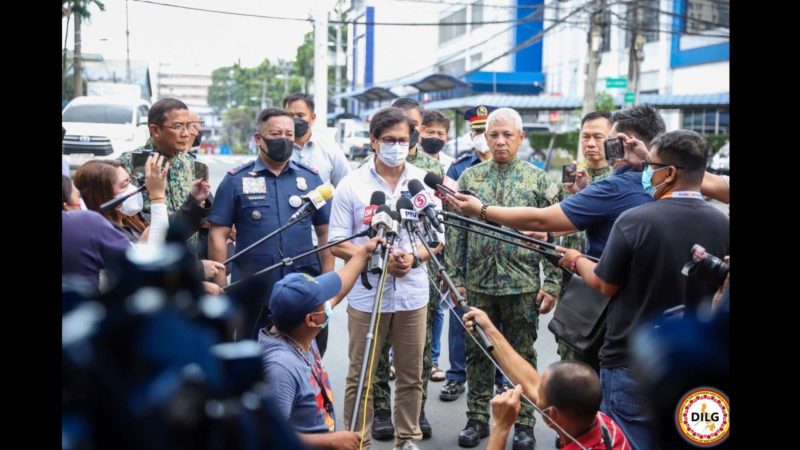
480, 143
133, 204
393, 155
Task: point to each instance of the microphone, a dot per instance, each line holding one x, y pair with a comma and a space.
411, 219
314, 201
424, 203
442, 186
446, 185
114, 202
382, 224
378, 198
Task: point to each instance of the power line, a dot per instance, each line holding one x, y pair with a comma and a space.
342, 22
436, 2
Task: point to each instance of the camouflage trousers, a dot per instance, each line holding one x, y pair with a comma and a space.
566, 352
520, 321
383, 391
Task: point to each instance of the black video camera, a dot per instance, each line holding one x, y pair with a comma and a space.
706, 267
139, 158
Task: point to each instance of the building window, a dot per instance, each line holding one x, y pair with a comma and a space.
449, 32
475, 60
452, 68
702, 15
707, 121
648, 20
477, 14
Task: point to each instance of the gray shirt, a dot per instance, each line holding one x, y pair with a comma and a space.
324, 156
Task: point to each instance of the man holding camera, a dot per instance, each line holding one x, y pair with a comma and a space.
640, 268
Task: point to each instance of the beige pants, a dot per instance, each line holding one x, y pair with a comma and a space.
407, 330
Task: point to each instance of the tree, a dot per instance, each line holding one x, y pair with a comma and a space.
604, 102
79, 9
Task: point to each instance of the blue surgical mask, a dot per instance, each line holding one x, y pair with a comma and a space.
328, 315
647, 179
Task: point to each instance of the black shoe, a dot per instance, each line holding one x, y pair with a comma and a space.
472, 434
558, 442
382, 427
523, 437
451, 390
424, 425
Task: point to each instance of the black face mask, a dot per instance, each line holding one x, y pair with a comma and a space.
278, 150
432, 145
414, 139
300, 127
197, 140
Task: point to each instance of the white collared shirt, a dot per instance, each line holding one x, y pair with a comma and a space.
353, 194
324, 156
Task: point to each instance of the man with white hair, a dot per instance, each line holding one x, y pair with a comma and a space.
500, 278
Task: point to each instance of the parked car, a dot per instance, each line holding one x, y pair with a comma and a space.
356, 144
721, 161
103, 127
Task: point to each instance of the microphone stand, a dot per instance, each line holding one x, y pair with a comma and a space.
462, 303
376, 305
286, 262
270, 235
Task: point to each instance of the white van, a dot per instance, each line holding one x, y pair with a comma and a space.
103, 127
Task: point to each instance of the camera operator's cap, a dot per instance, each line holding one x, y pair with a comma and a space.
477, 116
298, 294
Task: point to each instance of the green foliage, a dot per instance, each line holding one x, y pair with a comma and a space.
716, 141
567, 141
239, 126
237, 86
604, 102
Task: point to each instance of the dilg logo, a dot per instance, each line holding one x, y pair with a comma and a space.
703, 417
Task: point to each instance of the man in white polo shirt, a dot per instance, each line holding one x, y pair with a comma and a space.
405, 298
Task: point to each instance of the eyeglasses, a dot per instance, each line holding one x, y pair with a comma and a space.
178, 127
392, 141
646, 163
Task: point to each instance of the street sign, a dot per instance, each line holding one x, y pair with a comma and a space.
630, 97
616, 83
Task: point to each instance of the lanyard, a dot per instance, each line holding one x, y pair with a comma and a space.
315, 373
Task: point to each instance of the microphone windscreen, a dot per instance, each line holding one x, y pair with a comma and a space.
404, 203
414, 186
326, 190
383, 208
378, 198
431, 179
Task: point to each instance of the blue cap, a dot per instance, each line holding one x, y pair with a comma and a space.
477, 116
298, 294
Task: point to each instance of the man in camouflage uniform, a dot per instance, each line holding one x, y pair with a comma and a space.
595, 127
382, 427
168, 121
503, 279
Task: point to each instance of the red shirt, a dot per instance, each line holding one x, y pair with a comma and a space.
593, 439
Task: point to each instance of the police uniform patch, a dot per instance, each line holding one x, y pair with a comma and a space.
256, 214
252, 185
301, 183
482, 111
295, 201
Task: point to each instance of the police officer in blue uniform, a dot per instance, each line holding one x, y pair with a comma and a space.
259, 197
456, 376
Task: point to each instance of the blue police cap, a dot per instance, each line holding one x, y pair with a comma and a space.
477, 116
298, 294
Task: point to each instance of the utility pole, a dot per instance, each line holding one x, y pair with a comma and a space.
321, 61
127, 45
336, 67
595, 40
635, 51
77, 63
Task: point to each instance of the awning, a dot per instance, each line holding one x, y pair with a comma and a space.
369, 94
551, 102
438, 82
509, 82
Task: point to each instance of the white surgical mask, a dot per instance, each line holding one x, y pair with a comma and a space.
480, 143
393, 155
133, 204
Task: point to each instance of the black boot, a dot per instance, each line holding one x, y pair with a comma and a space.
451, 390
382, 427
472, 434
523, 437
424, 425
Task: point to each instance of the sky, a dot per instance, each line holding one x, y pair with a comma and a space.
186, 41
